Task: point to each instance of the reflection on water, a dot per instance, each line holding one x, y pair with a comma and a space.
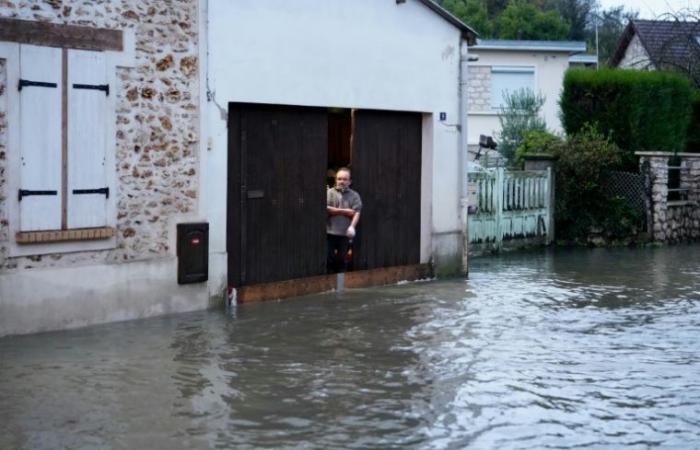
569, 349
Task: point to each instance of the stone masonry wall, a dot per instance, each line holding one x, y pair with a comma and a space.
157, 123
680, 220
658, 171
479, 88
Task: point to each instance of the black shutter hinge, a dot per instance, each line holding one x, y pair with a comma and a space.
27, 193
104, 190
96, 87
23, 83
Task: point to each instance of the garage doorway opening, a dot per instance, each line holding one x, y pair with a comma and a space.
280, 158
340, 124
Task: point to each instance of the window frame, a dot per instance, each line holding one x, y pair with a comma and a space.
512, 69
675, 192
10, 52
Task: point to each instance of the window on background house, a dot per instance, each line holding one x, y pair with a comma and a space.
505, 80
63, 139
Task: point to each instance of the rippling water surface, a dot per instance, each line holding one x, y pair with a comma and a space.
566, 349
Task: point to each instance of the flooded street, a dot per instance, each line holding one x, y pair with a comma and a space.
563, 349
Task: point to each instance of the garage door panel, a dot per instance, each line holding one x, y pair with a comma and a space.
387, 174
276, 218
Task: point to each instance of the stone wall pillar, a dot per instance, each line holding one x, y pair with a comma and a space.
658, 175
691, 180
673, 221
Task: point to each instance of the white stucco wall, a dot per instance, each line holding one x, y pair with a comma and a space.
71, 297
362, 54
549, 77
636, 56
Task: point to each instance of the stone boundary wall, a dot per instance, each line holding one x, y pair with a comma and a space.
673, 221
157, 125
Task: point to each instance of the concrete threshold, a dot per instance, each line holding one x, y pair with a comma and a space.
328, 283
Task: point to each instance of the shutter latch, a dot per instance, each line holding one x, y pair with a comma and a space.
96, 87
104, 190
23, 83
27, 193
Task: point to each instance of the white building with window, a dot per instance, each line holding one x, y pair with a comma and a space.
498, 67
123, 122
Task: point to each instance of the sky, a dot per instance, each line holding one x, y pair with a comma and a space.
650, 9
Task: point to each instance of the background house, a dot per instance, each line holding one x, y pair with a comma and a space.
660, 45
500, 66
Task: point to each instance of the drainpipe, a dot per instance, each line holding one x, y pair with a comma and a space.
463, 150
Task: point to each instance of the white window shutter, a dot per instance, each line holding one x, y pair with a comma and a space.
87, 115
40, 138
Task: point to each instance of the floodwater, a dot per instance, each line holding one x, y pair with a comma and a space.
587, 349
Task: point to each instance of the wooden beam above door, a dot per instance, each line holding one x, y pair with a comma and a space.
59, 35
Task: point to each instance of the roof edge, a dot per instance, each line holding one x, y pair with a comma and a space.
584, 58
467, 32
571, 47
625, 40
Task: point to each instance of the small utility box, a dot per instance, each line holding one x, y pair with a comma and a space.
192, 252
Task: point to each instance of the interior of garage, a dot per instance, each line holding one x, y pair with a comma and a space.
340, 122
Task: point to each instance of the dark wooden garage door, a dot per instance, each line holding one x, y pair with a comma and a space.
386, 162
276, 193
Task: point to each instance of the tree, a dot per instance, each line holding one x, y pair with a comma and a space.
543, 19
576, 13
611, 23
473, 13
519, 115
494, 8
523, 20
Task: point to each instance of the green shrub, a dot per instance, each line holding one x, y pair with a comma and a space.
620, 219
639, 110
519, 115
693, 144
536, 142
582, 205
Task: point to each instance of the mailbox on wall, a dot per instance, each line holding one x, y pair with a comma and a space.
192, 252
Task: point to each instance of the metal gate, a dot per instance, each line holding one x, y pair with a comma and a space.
635, 189
509, 206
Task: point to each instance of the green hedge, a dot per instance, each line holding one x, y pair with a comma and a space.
583, 205
694, 128
638, 110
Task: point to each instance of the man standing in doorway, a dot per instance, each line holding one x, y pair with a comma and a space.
343, 206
